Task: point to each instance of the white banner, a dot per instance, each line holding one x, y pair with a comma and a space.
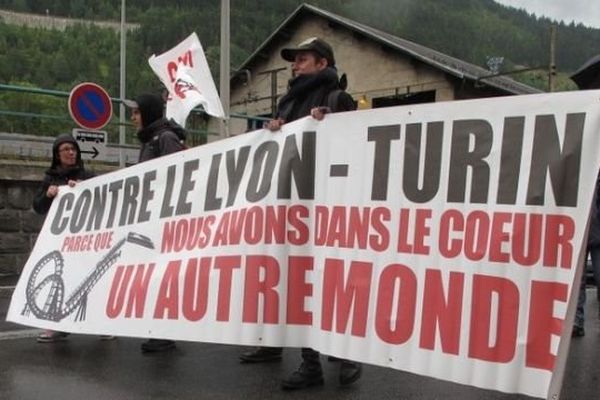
440, 239
184, 72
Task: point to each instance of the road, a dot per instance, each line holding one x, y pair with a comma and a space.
84, 367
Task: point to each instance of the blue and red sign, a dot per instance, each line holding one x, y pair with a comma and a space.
90, 106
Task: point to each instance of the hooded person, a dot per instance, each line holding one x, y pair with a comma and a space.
66, 168
158, 136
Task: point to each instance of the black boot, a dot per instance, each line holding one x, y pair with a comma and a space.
261, 354
309, 373
350, 371
156, 345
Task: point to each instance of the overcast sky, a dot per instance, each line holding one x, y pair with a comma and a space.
585, 11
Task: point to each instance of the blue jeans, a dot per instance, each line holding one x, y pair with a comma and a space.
594, 252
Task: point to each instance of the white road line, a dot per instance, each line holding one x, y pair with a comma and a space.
20, 334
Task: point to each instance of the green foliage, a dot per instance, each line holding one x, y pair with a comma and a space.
473, 30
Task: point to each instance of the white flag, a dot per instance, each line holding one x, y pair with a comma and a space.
185, 73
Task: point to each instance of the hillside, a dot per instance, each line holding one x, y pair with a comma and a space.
473, 30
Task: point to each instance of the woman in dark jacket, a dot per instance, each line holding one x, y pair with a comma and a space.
66, 169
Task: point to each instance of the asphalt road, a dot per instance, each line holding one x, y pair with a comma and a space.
84, 367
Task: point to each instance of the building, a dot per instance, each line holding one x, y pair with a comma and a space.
382, 69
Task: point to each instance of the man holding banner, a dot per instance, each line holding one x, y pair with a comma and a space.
314, 89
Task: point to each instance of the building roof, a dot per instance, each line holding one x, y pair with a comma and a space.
588, 75
450, 65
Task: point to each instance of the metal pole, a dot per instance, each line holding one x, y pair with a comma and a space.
224, 71
122, 89
552, 66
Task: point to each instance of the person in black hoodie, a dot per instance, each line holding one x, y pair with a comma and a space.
66, 169
158, 137
315, 89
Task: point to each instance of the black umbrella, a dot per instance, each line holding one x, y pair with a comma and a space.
588, 76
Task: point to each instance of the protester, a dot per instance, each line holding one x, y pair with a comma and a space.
315, 89
588, 77
158, 137
66, 169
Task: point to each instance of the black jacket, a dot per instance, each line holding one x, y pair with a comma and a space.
308, 91
55, 175
160, 138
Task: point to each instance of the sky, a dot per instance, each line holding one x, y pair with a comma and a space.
585, 11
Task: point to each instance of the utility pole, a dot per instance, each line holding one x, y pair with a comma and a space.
224, 70
552, 66
273, 73
122, 89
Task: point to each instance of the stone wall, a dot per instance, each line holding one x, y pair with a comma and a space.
19, 224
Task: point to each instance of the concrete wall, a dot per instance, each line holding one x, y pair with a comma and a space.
19, 224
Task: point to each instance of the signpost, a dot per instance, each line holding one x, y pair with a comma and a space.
92, 143
90, 106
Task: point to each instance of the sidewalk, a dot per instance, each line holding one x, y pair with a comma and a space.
7, 284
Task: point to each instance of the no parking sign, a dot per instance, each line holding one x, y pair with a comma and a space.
90, 105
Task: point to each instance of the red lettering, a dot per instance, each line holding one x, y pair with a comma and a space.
442, 311
451, 220
394, 323
499, 236
139, 290
226, 265
168, 293
116, 296
354, 293
298, 289
416, 244
526, 249
560, 230
195, 289
542, 323
476, 235
506, 294
254, 286
300, 235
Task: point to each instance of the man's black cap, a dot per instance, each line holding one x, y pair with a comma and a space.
588, 76
315, 44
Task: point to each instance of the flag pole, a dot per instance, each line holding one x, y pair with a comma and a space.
122, 89
224, 71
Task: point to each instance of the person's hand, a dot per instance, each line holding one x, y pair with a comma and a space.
318, 113
52, 191
72, 183
274, 124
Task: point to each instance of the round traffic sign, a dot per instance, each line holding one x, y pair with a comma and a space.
90, 106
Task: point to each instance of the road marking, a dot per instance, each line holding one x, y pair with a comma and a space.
20, 334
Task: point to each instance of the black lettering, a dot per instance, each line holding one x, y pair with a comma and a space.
431, 167
147, 195
510, 160
563, 166
303, 169
461, 158
59, 224
382, 136
211, 201
260, 178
